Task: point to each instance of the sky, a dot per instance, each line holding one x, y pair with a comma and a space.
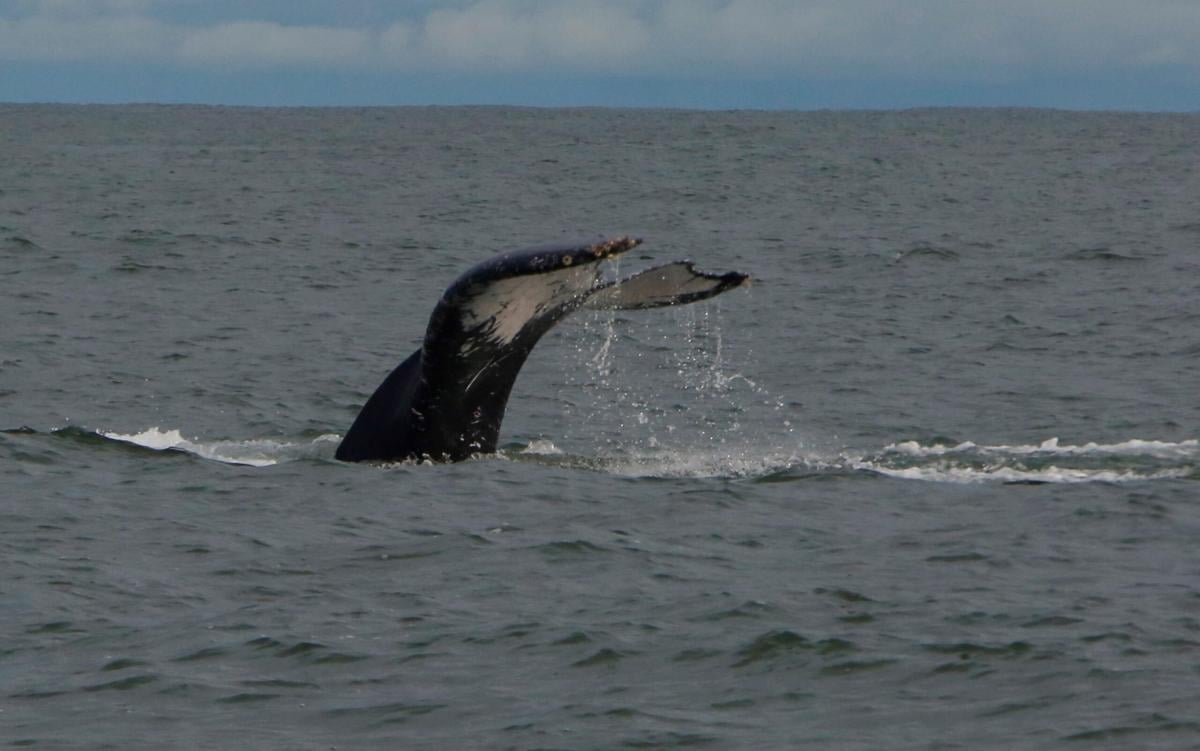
705, 54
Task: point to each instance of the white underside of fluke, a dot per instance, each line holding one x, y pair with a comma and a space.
499, 310
656, 288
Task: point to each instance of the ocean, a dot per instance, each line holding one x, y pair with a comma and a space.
931, 482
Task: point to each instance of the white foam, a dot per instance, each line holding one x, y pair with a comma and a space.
254, 452
701, 464
1052, 447
151, 438
542, 447
1135, 459
1005, 474
967, 470
964, 463
669, 463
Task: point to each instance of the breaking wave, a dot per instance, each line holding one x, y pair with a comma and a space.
1050, 461
260, 452
964, 462
1135, 460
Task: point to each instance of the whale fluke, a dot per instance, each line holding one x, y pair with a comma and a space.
673, 284
447, 400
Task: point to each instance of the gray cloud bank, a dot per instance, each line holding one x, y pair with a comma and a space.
946, 39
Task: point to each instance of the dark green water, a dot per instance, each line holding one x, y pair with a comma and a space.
931, 483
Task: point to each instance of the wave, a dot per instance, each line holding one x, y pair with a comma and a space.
964, 462
1134, 460
1134, 447
1022, 475
665, 463
259, 452
1050, 461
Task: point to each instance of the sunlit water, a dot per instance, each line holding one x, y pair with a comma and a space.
930, 483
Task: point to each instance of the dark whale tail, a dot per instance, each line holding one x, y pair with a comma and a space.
446, 401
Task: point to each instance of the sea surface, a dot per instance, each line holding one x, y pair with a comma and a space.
931, 482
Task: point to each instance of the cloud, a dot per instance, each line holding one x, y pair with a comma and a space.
46, 38
67, 8
515, 36
267, 44
942, 39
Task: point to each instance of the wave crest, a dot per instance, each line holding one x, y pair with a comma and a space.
1050, 461
259, 452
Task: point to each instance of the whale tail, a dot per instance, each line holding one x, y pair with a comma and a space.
675, 283
447, 400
